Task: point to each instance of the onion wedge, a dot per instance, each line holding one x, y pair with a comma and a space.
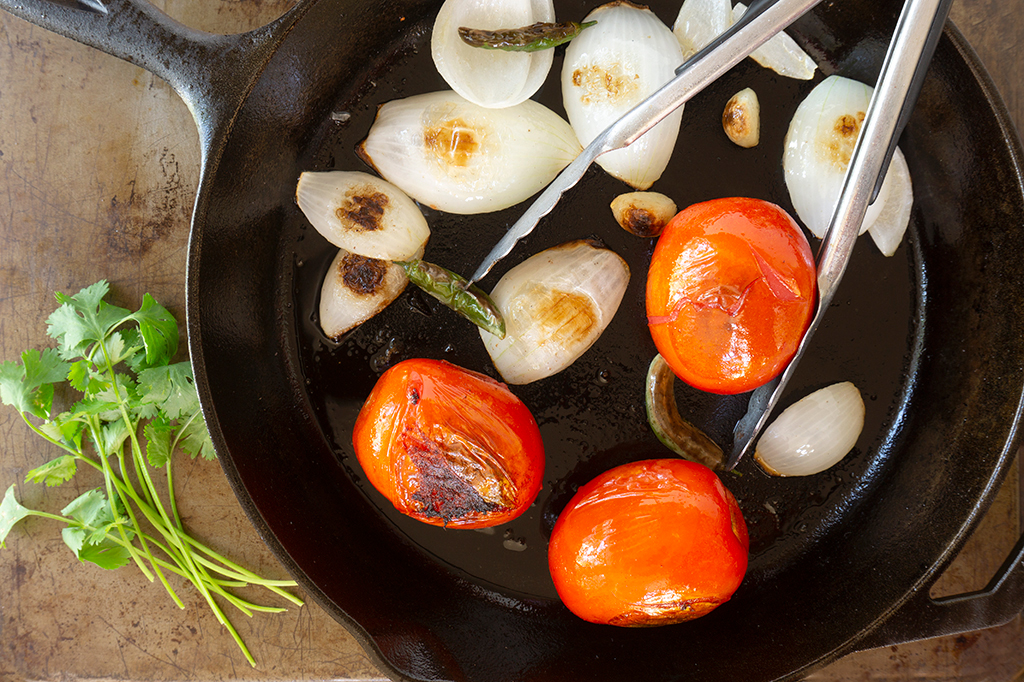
817, 151
489, 78
781, 54
355, 289
458, 157
362, 214
610, 68
556, 304
813, 433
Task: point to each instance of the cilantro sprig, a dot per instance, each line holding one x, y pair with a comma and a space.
134, 409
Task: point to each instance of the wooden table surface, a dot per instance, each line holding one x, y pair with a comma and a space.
98, 170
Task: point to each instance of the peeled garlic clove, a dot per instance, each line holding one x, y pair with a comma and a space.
459, 157
355, 289
556, 304
699, 22
781, 54
891, 224
490, 78
741, 119
818, 148
813, 433
644, 214
610, 68
362, 214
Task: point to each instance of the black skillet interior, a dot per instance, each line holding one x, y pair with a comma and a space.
931, 337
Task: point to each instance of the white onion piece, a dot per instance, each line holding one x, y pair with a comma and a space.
609, 68
462, 158
699, 22
781, 54
355, 289
362, 214
556, 304
490, 78
818, 148
813, 433
891, 224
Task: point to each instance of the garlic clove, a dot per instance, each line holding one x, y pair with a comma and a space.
458, 157
556, 304
741, 118
644, 214
362, 214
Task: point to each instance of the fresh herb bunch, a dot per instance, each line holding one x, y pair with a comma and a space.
136, 408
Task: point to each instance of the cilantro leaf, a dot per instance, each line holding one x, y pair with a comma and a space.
10, 513
54, 472
28, 387
120, 364
74, 537
90, 508
106, 554
158, 442
170, 389
195, 438
159, 331
88, 539
111, 437
84, 319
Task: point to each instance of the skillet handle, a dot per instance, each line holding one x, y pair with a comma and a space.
922, 617
211, 73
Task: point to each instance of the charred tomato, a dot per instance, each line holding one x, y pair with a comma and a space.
448, 446
649, 543
730, 291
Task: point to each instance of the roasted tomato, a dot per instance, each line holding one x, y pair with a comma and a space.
649, 543
448, 446
730, 291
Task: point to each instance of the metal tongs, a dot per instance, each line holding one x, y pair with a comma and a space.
899, 83
759, 23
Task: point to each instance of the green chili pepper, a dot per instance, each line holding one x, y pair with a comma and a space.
532, 38
677, 434
457, 293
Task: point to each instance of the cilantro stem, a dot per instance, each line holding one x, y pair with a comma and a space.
108, 476
154, 399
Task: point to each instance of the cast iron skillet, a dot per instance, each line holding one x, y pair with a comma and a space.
840, 561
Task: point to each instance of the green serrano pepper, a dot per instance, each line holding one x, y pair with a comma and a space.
454, 291
677, 434
532, 38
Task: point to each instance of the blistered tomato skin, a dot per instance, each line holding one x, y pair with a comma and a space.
448, 446
649, 543
730, 291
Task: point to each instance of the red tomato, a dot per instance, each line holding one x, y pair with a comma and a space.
730, 291
448, 446
649, 543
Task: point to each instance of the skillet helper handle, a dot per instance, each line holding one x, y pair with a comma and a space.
211, 73
922, 617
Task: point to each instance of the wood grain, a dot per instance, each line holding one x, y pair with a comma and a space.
98, 170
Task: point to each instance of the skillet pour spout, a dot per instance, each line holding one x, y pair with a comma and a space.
848, 557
